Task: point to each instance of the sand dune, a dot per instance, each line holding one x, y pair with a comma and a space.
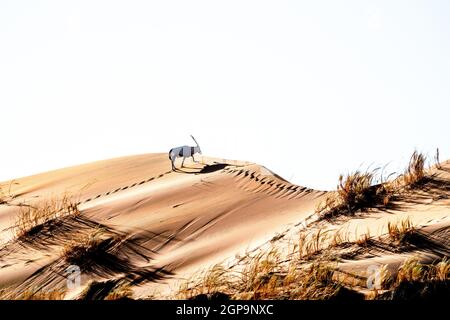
190, 218
172, 224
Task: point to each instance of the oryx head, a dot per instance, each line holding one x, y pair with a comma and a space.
197, 149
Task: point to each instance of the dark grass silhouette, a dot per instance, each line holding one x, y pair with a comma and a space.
113, 289
99, 290
417, 290
110, 258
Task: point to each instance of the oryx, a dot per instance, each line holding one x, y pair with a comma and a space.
184, 152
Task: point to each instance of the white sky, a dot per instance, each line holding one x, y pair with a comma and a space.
309, 89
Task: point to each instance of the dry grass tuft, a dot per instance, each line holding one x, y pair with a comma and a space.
437, 161
441, 270
120, 293
311, 243
415, 280
84, 248
260, 274
32, 219
113, 289
6, 197
415, 171
364, 240
400, 231
412, 270
339, 238
216, 279
32, 295
360, 191
355, 191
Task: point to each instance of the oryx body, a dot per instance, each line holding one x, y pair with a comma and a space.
184, 152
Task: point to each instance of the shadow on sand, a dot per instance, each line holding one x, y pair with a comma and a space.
207, 168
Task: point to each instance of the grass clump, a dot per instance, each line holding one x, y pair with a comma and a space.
364, 240
209, 283
107, 290
32, 219
260, 276
415, 171
123, 292
355, 191
359, 191
85, 249
416, 280
32, 295
339, 238
6, 196
401, 231
311, 243
412, 270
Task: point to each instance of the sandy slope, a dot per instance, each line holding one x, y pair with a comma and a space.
427, 208
175, 222
172, 224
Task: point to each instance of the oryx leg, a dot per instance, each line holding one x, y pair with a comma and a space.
172, 160
182, 163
